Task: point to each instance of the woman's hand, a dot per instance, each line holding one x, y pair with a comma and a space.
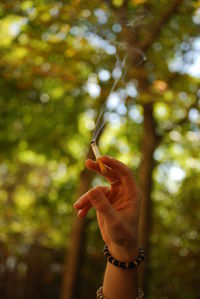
117, 208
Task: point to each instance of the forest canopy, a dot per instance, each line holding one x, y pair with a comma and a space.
61, 62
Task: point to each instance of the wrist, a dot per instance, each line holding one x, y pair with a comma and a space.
123, 263
122, 253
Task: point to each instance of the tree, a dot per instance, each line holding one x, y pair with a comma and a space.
58, 64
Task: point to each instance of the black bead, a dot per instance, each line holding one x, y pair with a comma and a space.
116, 263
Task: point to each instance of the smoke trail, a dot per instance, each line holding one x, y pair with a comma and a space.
120, 67
140, 20
101, 121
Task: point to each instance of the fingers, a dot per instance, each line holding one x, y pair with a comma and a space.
96, 197
102, 205
93, 165
110, 174
83, 204
120, 168
117, 172
83, 212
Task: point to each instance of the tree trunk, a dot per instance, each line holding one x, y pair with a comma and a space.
149, 141
75, 248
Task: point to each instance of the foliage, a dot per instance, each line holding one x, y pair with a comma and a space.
57, 67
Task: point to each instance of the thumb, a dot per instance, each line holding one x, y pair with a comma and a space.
102, 205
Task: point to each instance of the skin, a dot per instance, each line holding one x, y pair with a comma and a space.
117, 209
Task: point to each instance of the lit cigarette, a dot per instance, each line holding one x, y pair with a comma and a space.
98, 157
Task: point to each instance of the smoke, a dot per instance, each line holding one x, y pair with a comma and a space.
105, 42
120, 70
141, 20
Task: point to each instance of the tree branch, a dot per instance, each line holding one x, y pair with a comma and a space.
155, 31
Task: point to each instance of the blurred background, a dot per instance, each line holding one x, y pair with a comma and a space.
60, 63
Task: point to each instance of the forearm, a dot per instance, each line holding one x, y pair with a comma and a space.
120, 283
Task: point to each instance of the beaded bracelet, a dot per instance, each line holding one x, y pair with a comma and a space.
124, 265
100, 294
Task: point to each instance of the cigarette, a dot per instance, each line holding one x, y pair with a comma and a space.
98, 157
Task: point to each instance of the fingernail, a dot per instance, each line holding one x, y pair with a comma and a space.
80, 213
76, 204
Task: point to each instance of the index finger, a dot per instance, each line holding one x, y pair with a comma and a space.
117, 172
110, 174
120, 168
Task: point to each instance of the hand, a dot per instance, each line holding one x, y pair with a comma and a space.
117, 208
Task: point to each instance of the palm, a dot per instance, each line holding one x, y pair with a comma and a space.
125, 203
